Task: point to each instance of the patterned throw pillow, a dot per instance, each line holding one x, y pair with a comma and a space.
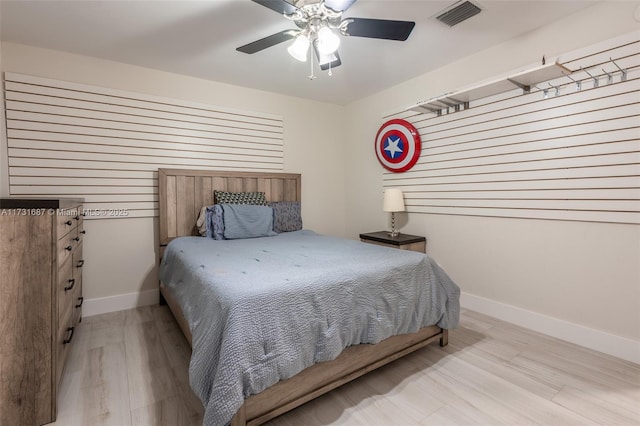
286, 216
253, 198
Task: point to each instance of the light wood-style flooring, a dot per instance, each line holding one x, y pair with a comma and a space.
131, 368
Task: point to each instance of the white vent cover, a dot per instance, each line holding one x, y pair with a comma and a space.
458, 13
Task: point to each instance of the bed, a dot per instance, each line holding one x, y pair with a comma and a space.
182, 193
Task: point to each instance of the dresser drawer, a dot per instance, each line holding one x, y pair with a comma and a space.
65, 221
79, 217
78, 301
65, 289
66, 331
67, 245
77, 266
420, 247
78, 262
65, 248
80, 232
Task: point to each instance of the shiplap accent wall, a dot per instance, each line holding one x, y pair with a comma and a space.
572, 156
67, 139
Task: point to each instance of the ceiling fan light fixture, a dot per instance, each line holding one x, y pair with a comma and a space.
328, 41
320, 24
326, 61
299, 48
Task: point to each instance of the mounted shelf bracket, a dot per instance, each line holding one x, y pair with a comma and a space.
623, 72
525, 87
460, 100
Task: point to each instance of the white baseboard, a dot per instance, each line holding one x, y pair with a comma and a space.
620, 347
102, 305
601, 341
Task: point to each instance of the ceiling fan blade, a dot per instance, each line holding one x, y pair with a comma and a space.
380, 28
267, 42
339, 5
280, 6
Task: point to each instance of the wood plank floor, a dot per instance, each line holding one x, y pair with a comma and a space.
131, 368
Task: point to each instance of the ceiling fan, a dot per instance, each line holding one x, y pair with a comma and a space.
319, 22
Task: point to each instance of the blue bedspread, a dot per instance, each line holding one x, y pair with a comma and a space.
263, 309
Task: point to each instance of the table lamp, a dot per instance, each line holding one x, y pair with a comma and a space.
393, 202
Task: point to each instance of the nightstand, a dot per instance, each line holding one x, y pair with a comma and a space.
401, 241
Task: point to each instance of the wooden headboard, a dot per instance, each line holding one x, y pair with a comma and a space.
182, 193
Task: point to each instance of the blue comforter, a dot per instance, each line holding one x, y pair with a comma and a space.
263, 309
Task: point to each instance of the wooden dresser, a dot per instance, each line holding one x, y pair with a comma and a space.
40, 303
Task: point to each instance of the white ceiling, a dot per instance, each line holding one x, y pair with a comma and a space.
199, 38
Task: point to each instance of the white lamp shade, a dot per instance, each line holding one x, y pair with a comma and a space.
328, 41
299, 48
393, 200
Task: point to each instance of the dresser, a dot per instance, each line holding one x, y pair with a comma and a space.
400, 241
40, 303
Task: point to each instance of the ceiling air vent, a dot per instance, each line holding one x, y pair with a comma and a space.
458, 13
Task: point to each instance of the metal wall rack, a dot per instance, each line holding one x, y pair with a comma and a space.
460, 100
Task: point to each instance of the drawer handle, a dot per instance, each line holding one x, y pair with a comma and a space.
65, 341
68, 248
83, 232
80, 263
80, 302
83, 214
76, 239
77, 218
72, 282
69, 223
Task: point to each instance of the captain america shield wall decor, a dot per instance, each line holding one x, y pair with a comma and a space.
397, 145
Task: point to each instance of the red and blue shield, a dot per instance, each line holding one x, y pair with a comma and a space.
397, 145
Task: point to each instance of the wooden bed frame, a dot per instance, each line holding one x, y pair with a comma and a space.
182, 193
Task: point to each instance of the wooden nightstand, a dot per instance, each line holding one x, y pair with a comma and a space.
401, 241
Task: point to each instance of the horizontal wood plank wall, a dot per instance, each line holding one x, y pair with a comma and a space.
106, 145
574, 155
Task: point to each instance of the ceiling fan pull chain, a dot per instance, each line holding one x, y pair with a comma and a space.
312, 76
330, 72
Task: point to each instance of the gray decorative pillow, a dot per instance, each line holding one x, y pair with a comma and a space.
286, 216
253, 198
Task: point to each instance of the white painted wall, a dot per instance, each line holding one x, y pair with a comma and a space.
584, 274
121, 253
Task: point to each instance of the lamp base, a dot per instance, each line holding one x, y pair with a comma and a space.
393, 232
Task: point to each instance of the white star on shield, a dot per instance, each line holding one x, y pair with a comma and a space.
392, 147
